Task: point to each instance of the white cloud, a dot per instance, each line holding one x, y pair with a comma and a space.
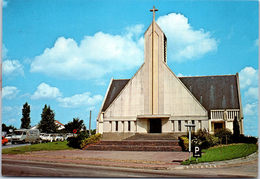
78, 100
251, 109
5, 2
9, 92
46, 91
93, 57
12, 67
185, 43
248, 77
252, 92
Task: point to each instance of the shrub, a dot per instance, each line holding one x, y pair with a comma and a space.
184, 143
91, 140
224, 135
75, 142
248, 140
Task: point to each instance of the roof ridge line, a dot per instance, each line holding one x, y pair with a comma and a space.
203, 76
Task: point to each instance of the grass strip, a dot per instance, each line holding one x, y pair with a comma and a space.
37, 147
224, 152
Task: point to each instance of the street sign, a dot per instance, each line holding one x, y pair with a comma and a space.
197, 151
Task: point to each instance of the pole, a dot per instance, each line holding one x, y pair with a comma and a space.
89, 123
189, 143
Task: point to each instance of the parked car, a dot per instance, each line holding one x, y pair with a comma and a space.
4, 140
26, 136
69, 135
59, 137
48, 137
9, 137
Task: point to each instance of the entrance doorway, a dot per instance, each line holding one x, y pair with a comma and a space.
155, 126
218, 125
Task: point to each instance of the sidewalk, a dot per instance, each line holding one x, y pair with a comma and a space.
128, 159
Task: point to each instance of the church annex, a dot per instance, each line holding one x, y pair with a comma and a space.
155, 100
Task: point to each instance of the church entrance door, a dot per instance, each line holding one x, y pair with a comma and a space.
155, 126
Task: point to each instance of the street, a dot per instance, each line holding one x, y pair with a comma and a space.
9, 145
11, 167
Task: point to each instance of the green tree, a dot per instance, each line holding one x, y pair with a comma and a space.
236, 130
75, 124
6, 128
25, 120
47, 120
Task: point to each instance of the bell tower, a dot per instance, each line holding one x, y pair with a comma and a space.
154, 54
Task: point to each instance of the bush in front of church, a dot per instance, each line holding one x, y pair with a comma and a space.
75, 142
207, 140
91, 140
224, 135
246, 139
184, 143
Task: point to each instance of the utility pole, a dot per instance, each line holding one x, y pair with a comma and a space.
89, 123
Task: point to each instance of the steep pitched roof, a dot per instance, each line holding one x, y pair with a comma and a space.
115, 89
214, 92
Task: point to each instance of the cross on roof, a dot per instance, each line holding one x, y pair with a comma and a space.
153, 10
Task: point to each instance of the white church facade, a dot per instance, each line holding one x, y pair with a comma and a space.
155, 100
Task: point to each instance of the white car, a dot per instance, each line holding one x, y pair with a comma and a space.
9, 137
48, 137
59, 137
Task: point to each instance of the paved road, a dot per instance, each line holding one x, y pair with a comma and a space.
9, 145
31, 168
12, 167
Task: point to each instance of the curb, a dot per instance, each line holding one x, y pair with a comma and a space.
218, 164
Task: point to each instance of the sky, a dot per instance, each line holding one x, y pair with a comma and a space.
63, 53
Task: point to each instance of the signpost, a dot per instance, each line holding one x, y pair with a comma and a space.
189, 126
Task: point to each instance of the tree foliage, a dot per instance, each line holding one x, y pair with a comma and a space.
6, 128
47, 120
236, 130
26, 120
75, 124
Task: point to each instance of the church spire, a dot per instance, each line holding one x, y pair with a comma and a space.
154, 68
153, 10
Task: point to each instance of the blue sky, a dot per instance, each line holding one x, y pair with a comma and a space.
64, 52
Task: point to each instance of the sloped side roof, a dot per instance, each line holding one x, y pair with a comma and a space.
115, 88
214, 92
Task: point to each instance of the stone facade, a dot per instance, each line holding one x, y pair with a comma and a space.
155, 100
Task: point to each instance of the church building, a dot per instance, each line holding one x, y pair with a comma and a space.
155, 100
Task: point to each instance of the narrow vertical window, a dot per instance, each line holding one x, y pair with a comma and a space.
179, 125
193, 122
129, 125
173, 129
165, 49
200, 127
116, 125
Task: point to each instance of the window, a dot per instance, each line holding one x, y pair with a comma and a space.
116, 125
173, 129
193, 122
200, 125
179, 125
165, 49
129, 125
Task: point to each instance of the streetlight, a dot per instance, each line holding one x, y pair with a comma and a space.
189, 126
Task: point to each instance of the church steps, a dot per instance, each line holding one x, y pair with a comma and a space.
133, 148
136, 145
141, 142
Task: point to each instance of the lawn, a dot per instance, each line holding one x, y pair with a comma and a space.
226, 152
37, 147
